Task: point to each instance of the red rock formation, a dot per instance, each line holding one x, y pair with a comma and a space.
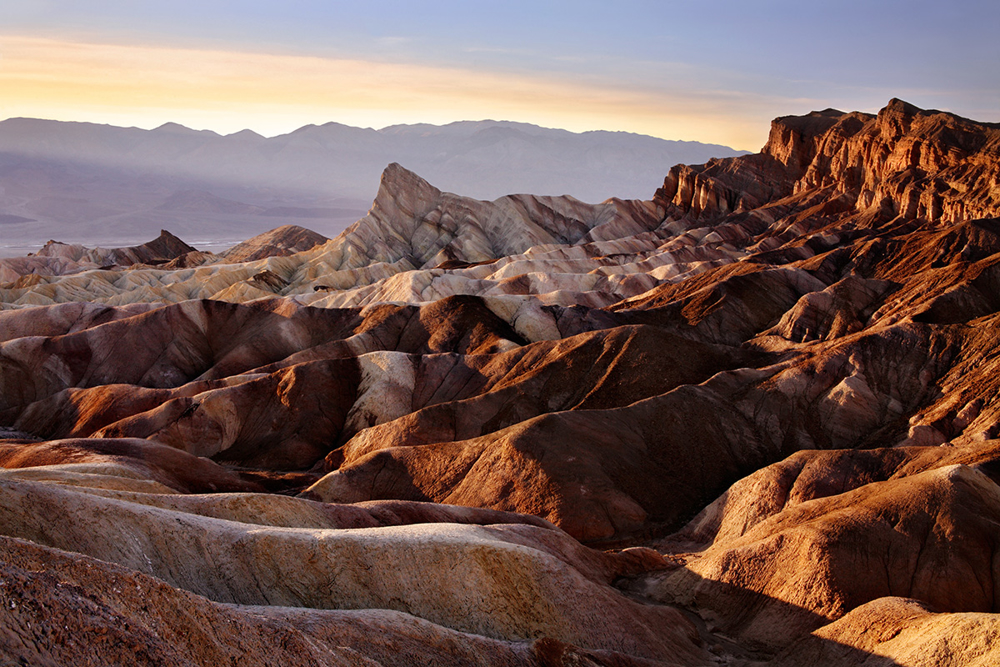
896, 631
903, 164
928, 536
782, 375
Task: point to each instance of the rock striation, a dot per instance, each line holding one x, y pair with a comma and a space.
57, 259
902, 164
279, 242
754, 420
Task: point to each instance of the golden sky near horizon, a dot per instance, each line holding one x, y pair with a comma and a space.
671, 69
230, 90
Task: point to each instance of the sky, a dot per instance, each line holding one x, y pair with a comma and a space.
715, 72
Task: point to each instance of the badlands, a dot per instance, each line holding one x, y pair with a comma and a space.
754, 420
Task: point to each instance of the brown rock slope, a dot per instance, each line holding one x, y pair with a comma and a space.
781, 374
893, 631
280, 242
59, 608
801, 543
520, 581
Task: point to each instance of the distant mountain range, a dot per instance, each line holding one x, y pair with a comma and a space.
115, 185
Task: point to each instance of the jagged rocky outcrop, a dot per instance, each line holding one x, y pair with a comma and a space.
56, 259
902, 164
766, 400
163, 248
415, 222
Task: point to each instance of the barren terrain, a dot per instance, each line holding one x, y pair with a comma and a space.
751, 420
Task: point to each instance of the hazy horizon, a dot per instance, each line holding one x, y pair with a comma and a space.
98, 184
381, 128
669, 70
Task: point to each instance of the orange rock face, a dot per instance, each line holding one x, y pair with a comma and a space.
904, 163
755, 419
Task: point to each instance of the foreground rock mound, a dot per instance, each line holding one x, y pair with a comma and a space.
519, 581
59, 606
927, 536
896, 631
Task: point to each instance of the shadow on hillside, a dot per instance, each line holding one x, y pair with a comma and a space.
744, 627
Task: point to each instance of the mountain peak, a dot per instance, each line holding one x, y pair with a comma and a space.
177, 128
898, 106
172, 127
396, 177
245, 134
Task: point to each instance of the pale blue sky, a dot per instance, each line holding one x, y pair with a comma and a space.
718, 70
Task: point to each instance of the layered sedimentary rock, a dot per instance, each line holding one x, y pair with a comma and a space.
800, 545
416, 245
60, 606
766, 400
56, 259
905, 162
897, 631
279, 242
